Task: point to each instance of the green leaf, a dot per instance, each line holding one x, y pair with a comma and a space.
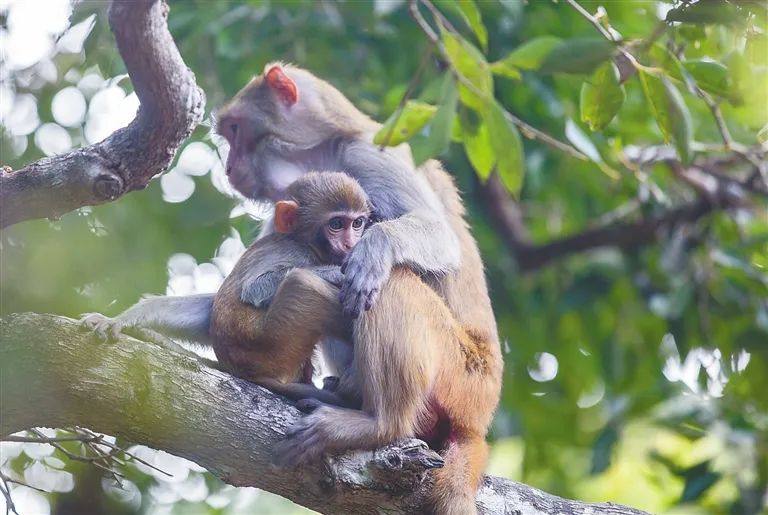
665, 59
670, 111
762, 135
477, 142
527, 56
581, 141
468, 11
578, 55
698, 479
705, 12
601, 97
507, 147
406, 123
710, 76
471, 64
440, 129
503, 70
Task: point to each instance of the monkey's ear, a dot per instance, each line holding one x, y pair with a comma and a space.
286, 216
282, 85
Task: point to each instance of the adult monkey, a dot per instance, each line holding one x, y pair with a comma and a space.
427, 359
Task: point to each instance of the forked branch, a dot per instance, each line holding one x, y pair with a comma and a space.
171, 107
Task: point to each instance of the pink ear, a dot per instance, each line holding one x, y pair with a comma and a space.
286, 216
282, 85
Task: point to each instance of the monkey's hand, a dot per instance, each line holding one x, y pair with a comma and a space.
308, 439
106, 328
260, 291
366, 269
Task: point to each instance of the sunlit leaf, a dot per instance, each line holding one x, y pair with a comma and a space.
601, 97
439, 136
527, 56
477, 142
468, 11
402, 125
665, 59
471, 64
581, 141
579, 55
670, 111
507, 147
710, 76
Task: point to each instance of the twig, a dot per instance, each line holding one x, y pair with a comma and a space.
132, 456
7, 479
528, 131
30, 439
594, 21
5, 489
408, 92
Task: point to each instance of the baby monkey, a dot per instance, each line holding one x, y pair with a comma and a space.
274, 307
281, 298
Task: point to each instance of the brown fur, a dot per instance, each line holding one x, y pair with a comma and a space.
273, 347
427, 359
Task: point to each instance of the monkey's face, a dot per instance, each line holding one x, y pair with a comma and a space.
269, 126
341, 232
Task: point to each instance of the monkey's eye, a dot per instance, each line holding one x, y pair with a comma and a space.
358, 222
336, 224
233, 129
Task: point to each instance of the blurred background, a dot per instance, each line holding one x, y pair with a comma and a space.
637, 377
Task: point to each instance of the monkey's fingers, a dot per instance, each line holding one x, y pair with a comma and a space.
309, 405
299, 447
370, 299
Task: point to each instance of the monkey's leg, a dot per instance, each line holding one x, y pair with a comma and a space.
304, 391
394, 363
409, 358
184, 318
304, 308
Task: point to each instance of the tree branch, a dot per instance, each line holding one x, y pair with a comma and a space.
153, 396
171, 107
508, 218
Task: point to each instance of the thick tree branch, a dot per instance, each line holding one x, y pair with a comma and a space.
171, 107
715, 193
52, 374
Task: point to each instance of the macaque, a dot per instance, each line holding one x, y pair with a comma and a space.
281, 296
427, 361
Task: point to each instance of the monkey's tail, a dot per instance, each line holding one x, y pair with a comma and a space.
456, 483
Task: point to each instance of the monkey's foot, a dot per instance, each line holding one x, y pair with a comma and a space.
309, 405
307, 440
105, 328
331, 383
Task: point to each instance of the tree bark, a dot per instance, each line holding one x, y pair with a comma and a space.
53, 374
171, 107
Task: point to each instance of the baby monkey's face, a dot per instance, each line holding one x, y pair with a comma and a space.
342, 231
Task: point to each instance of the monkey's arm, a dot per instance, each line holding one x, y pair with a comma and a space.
185, 318
260, 290
415, 231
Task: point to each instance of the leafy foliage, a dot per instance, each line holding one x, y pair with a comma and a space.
635, 376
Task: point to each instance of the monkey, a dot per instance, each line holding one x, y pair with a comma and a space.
420, 256
260, 328
426, 360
